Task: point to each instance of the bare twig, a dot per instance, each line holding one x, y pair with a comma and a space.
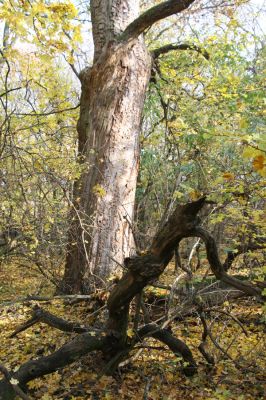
44, 298
147, 389
183, 46
208, 332
229, 315
49, 112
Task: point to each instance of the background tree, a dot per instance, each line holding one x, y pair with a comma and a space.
38, 118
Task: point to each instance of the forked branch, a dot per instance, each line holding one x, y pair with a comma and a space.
40, 315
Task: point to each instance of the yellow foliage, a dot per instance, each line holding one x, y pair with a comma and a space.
258, 162
228, 176
99, 190
194, 195
46, 396
130, 333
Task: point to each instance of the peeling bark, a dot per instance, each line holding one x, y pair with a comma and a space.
112, 98
113, 93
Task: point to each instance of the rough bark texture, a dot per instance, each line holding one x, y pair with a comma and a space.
111, 104
109, 19
112, 98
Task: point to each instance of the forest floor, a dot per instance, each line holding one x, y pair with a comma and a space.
154, 373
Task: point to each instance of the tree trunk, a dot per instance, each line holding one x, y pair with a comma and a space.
112, 98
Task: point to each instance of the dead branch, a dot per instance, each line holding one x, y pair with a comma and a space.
79, 297
177, 346
229, 315
217, 267
203, 344
40, 315
216, 344
145, 268
67, 354
140, 271
242, 249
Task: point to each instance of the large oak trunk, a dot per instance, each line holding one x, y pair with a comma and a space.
112, 99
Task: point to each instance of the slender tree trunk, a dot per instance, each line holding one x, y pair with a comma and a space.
112, 98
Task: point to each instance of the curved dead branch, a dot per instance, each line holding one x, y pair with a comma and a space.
177, 346
141, 270
218, 268
144, 269
202, 347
